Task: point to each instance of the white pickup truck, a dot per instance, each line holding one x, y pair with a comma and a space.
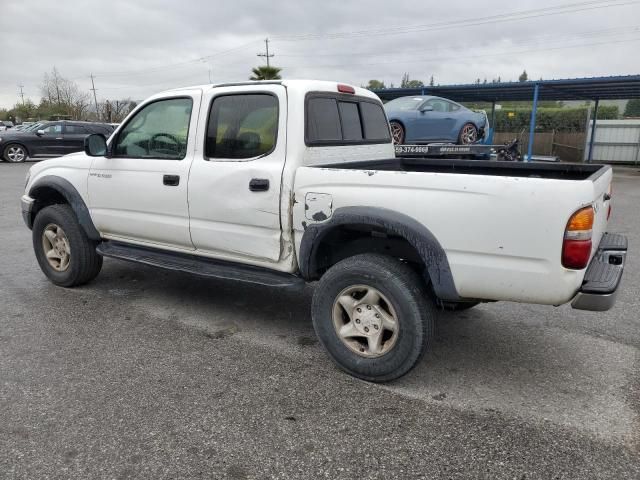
286, 182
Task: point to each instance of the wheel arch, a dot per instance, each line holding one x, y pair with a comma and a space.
52, 190
400, 122
371, 229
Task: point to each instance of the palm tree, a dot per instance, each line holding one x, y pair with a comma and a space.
265, 73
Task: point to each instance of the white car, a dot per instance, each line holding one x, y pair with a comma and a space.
286, 182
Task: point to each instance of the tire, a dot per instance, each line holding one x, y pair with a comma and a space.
14, 153
82, 261
456, 306
397, 133
402, 294
468, 134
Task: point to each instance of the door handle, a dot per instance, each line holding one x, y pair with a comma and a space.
259, 185
171, 180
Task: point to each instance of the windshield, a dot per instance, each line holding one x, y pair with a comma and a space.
404, 103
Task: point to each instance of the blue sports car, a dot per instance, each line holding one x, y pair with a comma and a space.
429, 119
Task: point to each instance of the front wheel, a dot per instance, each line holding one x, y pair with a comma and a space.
372, 314
14, 153
468, 134
65, 254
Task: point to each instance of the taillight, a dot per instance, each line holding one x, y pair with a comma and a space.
576, 248
346, 88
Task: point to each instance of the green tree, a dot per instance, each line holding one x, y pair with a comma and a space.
408, 83
265, 73
432, 82
633, 108
523, 76
375, 85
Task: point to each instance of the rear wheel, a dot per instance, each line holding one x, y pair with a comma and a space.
397, 133
64, 252
372, 314
468, 134
14, 153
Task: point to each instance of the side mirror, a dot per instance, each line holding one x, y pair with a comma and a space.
95, 145
40, 133
426, 108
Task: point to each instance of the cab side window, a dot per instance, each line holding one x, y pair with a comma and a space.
158, 130
242, 126
438, 105
54, 129
76, 129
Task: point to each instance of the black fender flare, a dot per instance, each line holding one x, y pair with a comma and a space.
73, 198
438, 271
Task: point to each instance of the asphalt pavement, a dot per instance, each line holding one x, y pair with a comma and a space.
145, 373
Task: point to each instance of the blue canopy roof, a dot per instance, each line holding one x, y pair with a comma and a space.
595, 88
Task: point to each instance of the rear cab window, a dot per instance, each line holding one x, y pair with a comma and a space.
343, 119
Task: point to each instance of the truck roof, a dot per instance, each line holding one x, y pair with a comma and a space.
293, 84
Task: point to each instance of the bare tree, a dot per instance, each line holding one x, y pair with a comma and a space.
114, 111
64, 95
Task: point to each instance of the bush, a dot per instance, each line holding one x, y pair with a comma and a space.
548, 119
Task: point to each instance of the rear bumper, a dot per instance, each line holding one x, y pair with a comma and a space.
26, 203
602, 278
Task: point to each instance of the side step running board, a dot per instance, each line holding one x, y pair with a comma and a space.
198, 265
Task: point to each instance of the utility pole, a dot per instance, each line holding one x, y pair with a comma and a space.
267, 55
21, 94
95, 98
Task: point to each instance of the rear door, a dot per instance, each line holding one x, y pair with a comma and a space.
74, 135
235, 179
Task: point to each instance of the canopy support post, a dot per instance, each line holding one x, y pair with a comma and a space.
492, 127
532, 123
593, 130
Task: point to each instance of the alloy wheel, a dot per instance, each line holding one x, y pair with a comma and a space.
469, 134
365, 321
16, 153
56, 247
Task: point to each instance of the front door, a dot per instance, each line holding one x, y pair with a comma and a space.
139, 194
436, 122
234, 186
48, 141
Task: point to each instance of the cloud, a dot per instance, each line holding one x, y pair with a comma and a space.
137, 48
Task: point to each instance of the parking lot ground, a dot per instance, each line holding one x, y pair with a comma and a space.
150, 374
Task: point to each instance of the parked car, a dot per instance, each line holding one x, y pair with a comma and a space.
48, 139
5, 125
282, 183
429, 119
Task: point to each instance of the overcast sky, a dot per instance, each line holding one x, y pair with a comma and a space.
136, 48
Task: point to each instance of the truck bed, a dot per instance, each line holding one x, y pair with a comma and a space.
501, 221
564, 171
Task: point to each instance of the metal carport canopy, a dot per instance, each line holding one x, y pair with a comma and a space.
621, 87
595, 88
